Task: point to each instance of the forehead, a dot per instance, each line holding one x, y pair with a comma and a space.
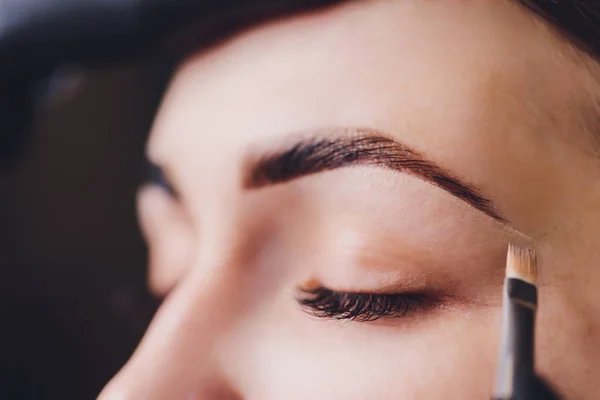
469, 84
364, 63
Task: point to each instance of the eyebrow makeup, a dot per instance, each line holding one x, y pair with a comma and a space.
335, 149
516, 378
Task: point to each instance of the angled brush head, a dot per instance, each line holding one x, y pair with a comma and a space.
521, 263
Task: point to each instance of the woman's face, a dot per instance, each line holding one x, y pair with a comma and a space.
346, 185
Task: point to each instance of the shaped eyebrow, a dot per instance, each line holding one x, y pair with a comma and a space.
365, 147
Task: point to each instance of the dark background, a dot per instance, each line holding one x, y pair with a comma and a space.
73, 297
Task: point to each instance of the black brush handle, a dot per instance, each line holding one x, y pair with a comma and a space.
516, 376
537, 389
522, 308
516, 366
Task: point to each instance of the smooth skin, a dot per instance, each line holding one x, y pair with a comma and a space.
485, 90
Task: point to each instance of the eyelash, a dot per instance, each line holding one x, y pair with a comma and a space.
156, 176
362, 307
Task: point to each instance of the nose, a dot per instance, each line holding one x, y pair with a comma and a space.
177, 358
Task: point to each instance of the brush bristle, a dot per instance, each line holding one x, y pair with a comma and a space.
521, 263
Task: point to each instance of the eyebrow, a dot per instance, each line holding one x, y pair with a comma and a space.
364, 147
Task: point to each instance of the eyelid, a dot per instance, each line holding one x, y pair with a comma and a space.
363, 307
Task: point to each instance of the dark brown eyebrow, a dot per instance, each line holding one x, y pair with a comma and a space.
363, 147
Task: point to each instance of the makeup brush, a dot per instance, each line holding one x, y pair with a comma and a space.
516, 378
516, 370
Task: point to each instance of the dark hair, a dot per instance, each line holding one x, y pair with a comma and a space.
579, 20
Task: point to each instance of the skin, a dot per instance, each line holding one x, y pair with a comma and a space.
484, 90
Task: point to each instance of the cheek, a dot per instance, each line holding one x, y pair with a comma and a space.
286, 354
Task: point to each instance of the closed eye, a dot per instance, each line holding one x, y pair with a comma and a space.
156, 176
363, 307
